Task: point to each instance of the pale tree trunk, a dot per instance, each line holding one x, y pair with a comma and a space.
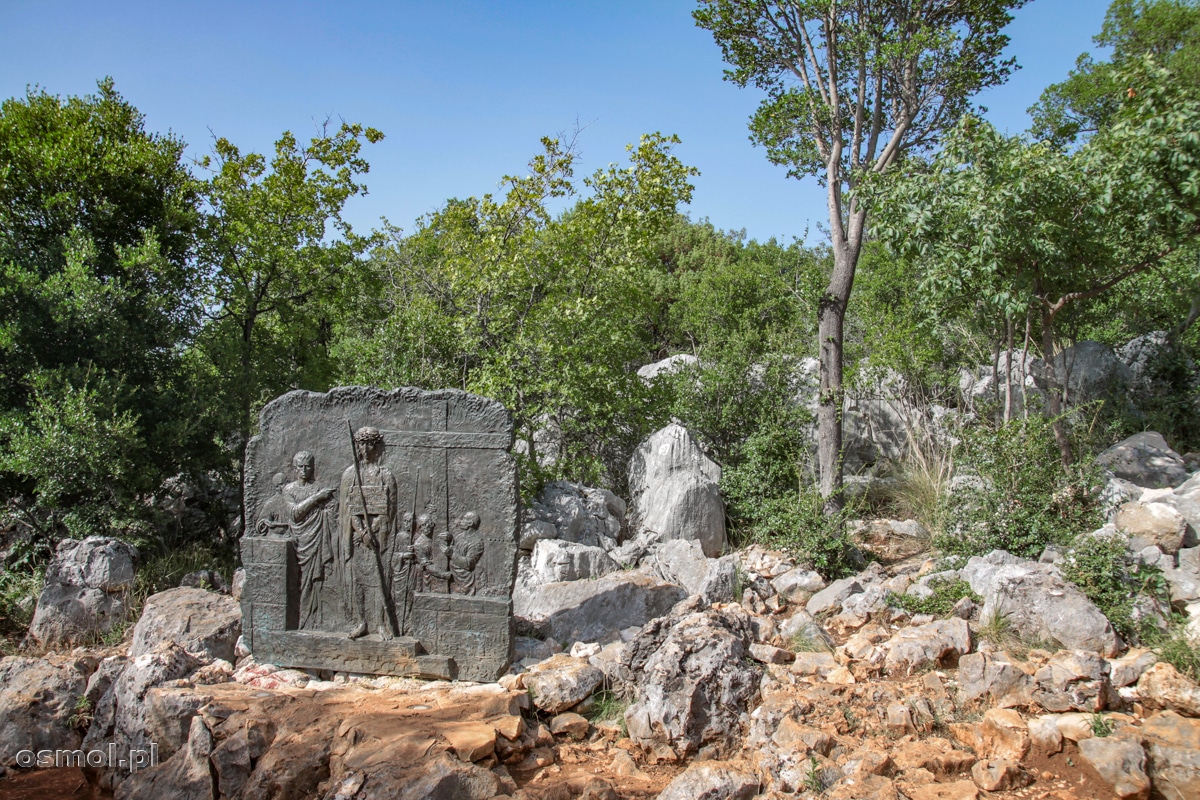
1054, 395
847, 244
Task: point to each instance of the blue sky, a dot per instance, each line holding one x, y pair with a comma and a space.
464, 90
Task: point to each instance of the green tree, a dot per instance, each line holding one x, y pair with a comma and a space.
1090, 97
851, 88
500, 296
99, 295
1031, 229
279, 254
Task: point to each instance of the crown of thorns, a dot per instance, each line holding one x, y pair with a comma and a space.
369, 436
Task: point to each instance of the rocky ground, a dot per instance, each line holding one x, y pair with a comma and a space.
648, 669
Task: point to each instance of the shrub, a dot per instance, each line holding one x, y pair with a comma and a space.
946, 592
1024, 499
1100, 567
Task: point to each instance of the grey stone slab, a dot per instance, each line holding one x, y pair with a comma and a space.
379, 522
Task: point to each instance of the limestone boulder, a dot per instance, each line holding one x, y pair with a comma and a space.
667, 366
187, 775
1152, 525
573, 513
939, 643
798, 584
559, 682
558, 560
87, 591
203, 623
682, 562
1121, 763
674, 488
593, 611
1163, 686
995, 678
1038, 603
1087, 370
39, 700
1172, 747
693, 680
711, 781
1145, 459
1073, 681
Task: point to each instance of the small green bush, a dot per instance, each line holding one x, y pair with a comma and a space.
19, 590
946, 592
1100, 567
1026, 499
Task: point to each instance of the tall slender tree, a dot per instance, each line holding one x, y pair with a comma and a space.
852, 86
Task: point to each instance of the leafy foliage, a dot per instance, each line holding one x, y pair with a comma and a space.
1022, 499
946, 592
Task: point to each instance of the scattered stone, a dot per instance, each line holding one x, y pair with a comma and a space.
38, 703
831, 597
1073, 680
819, 664
570, 724
997, 775
1038, 603
204, 623
1120, 762
771, 655
1146, 460
710, 781
958, 790
557, 560
1129, 668
1173, 753
682, 562
575, 514
936, 644
560, 682
471, 741
675, 492
1163, 686
1044, 734
593, 611
995, 677
1001, 734
694, 681
86, 592
798, 584
1152, 524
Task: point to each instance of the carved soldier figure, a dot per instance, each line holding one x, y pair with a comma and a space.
309, 527
432, 553
466, 550
366, 523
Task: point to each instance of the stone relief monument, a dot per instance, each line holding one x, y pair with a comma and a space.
381, 533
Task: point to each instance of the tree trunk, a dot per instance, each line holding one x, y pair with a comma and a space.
1054, 391
831, 399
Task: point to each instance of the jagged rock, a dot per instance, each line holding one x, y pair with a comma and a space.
831, 596
1128, 669
936, 644
694, 681
592, 611
711, 781
121, 716
1073, 680
667, 366
186, 775
1038, 603
1087, 370
238, 583
1146, 460
683, 562
1044, 734
1001, 734
561, 681
892, 540
1163, 686
204, 623
803, 629
1121, 763
570, 724
675, 493
445, 777
997, 775
984, 387
1152, 524
205, 579
574, 513
557, 560
38, 703
1173, 752
86, 593
798, 584
993, 676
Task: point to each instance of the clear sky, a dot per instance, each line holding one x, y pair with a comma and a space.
463, 90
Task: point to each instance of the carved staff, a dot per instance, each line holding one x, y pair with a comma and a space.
412, 564
374, 546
